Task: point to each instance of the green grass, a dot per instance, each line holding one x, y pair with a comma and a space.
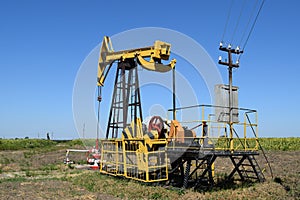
74, 142
19, 144
274, 144
282, 144
49, 167
122, 188
15, 179
129, 189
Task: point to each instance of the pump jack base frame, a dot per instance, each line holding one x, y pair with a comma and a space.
244, 164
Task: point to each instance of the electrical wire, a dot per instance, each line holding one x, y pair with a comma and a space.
252, 27
228, 17
238, 21
248, 23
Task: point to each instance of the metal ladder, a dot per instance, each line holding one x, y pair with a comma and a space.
251, 170
126, 98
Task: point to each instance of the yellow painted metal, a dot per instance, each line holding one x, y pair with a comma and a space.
213, 169
153, 66
138, 164
245, 130
124, 158
138, 158
222, 142
159, 51
134, 157
135, 130
256, 129
106, 48
231, 136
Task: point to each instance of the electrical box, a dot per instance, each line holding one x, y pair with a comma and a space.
222, 103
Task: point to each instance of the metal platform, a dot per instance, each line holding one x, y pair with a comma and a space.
196, 166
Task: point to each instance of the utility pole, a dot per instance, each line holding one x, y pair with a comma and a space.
230, 65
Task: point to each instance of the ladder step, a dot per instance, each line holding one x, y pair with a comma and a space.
236, 157
133, 104
252, 177
247, 171
117, 107
121, 101
246, 165
115, 123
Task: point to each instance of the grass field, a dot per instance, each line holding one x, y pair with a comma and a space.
34, 169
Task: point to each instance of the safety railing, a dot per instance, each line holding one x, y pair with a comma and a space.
138, 159
215, 134
111, 161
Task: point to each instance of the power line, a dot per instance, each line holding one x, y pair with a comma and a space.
248, 23
238, 21
246, 28
228, 16
244, 46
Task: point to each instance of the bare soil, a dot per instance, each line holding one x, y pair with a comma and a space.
41, 174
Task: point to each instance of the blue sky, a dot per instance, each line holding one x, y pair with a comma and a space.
43, 43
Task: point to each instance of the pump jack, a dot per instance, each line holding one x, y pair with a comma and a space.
164, 150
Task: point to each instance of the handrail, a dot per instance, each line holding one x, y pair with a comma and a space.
261, 148
242, 142
212, 106
239, 138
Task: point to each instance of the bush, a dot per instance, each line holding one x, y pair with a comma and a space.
283, 144
18, 144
